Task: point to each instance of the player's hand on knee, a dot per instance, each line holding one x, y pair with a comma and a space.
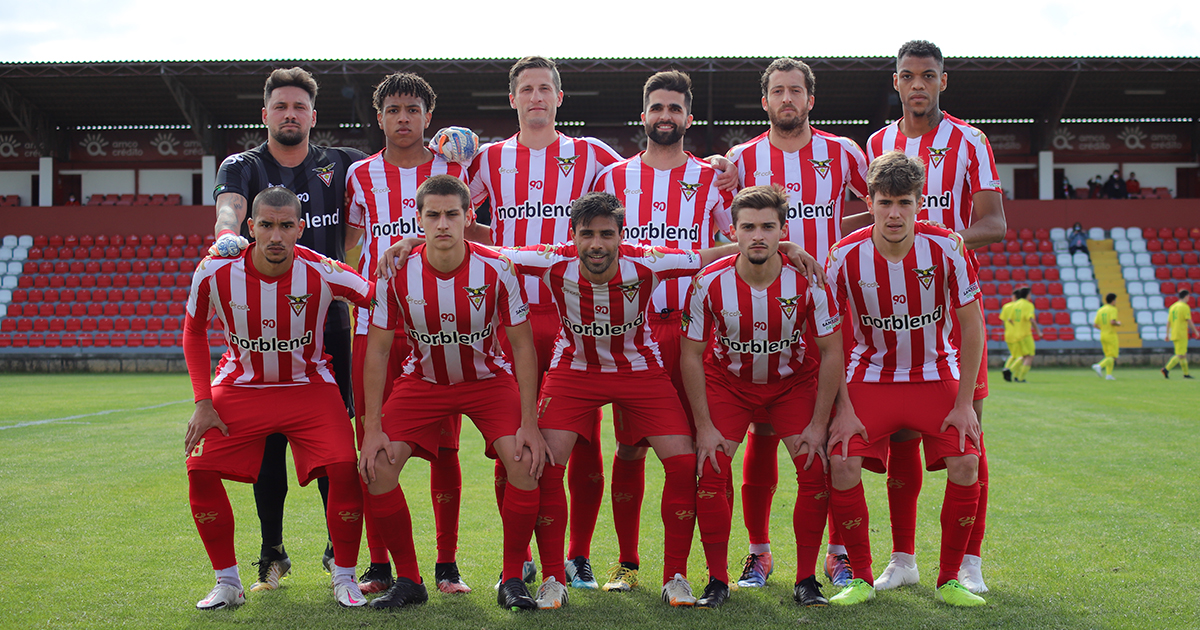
229, 244
373, 443
963, 419
814, 438
203, 419
394, 257
539, 452
708, 441
845, 425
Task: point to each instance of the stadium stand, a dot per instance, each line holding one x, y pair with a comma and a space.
98, 199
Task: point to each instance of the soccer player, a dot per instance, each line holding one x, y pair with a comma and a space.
1009, 313
756, 307
900, 280
816, 169
381, 209
273, 300
1020, 327
451, 298
1029, 331
317, 175
1179, 329
1106, 320
962, 192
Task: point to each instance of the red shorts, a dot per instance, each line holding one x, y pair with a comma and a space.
416, 410
644, 404
544, 320
313, 417
733, 403
885, 408
395, 367
981, 383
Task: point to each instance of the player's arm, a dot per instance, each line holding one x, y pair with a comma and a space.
708, 439
479, 233
829, 379
379, 346
231, 211
727, 179
845, 423
199, 365
520, 337
962, 417
988, 224
353, 234
852, 222
1033, 327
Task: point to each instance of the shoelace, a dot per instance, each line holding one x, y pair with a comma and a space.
748, 567
845, 560
583, 570
450, 574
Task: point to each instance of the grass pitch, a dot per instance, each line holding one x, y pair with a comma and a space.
1094, 514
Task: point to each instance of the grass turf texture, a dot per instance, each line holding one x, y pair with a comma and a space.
1093, 508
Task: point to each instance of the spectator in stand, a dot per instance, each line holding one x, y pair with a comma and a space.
1068, 191
1114, 188
72, 201
1095, 185
1132, 187
1077, 241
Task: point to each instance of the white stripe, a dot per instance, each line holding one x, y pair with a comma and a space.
89, 415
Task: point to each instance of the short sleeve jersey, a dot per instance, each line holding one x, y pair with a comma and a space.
680, 208
1178, 316
1028, 313
900, 312
759, 333
381, 200
1009, 313
451, 318
319, 182
1105, 318
531, 191
605, 328
816, 179
274, 326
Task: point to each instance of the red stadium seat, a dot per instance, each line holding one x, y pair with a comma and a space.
1029, 247
1041, 234
1055, 288
1010, 234
1035, 275
1154, 245
1186, 245
1050, 334
162, 240
993, 319
54, 241
1178, 273
1002, 275
1038, 288
985, 275
172, 323
1062, 318
1170, 245
144, 252
1179, 232
1167, 288
117, 340
195, 240
171, 266
1041, 303
121, 324
154, 266
1045, 319
179, 240
1045, 247
150, 281
1018, 275
1158, 259
1004, 288
179, 295
1012, 247
991, 304
996, 248
105, 324
88, 325
1066, 333
137, 324
159, 309
1191, 258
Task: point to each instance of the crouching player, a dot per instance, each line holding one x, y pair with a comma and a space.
900, 280
274, 378
450, 298
756, 304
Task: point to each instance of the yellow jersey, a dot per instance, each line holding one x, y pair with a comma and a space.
1105, 318
1178, 317
1028, 312
1010, 326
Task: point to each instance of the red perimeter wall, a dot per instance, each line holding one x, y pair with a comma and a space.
1103, 213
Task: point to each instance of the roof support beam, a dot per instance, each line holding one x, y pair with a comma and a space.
197, 116
36, 125
1044, 133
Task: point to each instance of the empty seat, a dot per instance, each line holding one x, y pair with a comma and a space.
1139, 302
1087, 288
1129, 273
1155, 302
1095, 234
1083, 274
1080, 259
1068, 275
1135, 288
1146, 273
1079, 318
1125, 260
1091, 302
1070, 288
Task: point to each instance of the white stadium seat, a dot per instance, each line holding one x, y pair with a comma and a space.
1148, 332
1152, 287
1135, 288
1122, 246
9, 241
1070, 288
1075, 303
1096, 234
1081, 260
1087, 288
1058, 234
14, 268
1145, 273
1142, 259
8, 282
1125, 259
20, 253
1117, 234
1083, 333
1067, 274
1133, 233
6, 253
1160, 318
1138, 246
1155, 302
1065, 260
25, 240
1079, 318
5, 296
1091, 302
1129, 272
1084, 274
1060, 246
1139, 303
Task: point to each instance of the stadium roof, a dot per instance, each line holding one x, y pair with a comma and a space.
42, 98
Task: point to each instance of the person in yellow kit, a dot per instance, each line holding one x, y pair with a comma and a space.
1106, 321
1179, 329
1018, 316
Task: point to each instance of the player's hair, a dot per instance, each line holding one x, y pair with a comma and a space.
596, 205
290, 77
528, 63
276, 197
760, 198
1110, 298
920, 48
672, 81
895, 174
787, 64
447, 185
404, 84
1183, 293
1024, 293
1016, 293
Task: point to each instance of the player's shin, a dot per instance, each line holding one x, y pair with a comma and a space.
958, 516
760, 477
445, 490
518, 515
975, 544
628, 490
853, 521
551, 528
344, 513
808, 517
213, 516
678, 512
904, 476
713, 516
391, 512
585, 476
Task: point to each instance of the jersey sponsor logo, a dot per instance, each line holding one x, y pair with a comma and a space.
868, 285
534, 210
298, 302
688, 190
788, 305
451, 337
971, 291
725, 313
477, 295
522, 311
663, 232
323, 220
811, 211
629, 192
399, 227
942, 201
832, 322
325, 174
604, 329
412, 300
271, 344
631, 290
925, 275
898, 322
821, 167
763, 173
507, 171
381, 191
937, 155
238, 307
565, 164
761, 346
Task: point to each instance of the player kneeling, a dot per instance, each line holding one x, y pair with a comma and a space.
450, 297
900, 280
275, 378
756, 304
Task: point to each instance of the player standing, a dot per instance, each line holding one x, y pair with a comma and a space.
816, 170
274, 378
900, 280
1179, 329
1028, 331
317, 175
1106, 320
381, 206
757, 307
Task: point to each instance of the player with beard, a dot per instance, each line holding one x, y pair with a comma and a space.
317, 175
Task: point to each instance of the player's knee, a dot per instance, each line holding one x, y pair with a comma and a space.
630, 453
845, 474
963, 470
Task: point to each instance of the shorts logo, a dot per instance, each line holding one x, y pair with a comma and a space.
205, 517
298, 302
937, 155
565, 164
542, 405
631, 290
325, 173
689, 190
852, 524
198, 450
477, 295
925, 275
622, 497
788, 305
349, 517
821, 167
685, 515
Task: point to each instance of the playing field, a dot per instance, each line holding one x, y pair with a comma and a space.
1094, 522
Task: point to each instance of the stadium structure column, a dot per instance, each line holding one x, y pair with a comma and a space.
208, 174
1045, 175
46, 181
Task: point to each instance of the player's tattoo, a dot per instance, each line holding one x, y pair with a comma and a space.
228, 212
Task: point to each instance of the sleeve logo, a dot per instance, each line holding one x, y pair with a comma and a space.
298, 302
477, 295
926, 275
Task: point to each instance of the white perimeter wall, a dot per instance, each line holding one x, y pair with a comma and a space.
167, 182
17, 183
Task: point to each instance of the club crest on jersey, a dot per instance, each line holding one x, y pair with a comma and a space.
631, 290
325, 173
937, 155
689, 190
566, 163
821, 167
788, 305
298, 302
476, 295
925, 275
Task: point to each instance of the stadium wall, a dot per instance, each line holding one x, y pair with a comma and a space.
95, 220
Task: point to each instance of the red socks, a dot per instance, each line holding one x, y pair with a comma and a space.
850, 516
445, 489
904, 477
714, 517
395, 521
213, 516
628, 489
518, 516
808, 518
760, 476
585, 477
678, 512
343, 514
551, 526
975, 544
375, 545
958, 517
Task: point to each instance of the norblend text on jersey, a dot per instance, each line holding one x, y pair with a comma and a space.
271, 344
903, 322
533, 210
662, 231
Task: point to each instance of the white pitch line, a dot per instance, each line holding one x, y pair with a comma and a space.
89, 415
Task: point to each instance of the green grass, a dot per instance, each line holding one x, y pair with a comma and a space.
1094, 516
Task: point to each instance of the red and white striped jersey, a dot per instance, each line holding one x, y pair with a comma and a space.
531, 191
760, 334
900, 313
381, 198
958, 163
451, 318
679, 208
605, 328
274, 327
816, 179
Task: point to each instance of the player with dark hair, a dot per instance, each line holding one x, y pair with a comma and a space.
272, 300
1107, 321
1179, 329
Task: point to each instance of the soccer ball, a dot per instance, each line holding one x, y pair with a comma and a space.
456, 144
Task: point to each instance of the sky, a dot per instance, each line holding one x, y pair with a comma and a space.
152, 30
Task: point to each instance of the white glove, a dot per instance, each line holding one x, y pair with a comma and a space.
229, 244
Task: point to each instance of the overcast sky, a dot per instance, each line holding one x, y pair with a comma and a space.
94, 30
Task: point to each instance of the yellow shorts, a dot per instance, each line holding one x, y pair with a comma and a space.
1026, 346
1110, 346
1181, 346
